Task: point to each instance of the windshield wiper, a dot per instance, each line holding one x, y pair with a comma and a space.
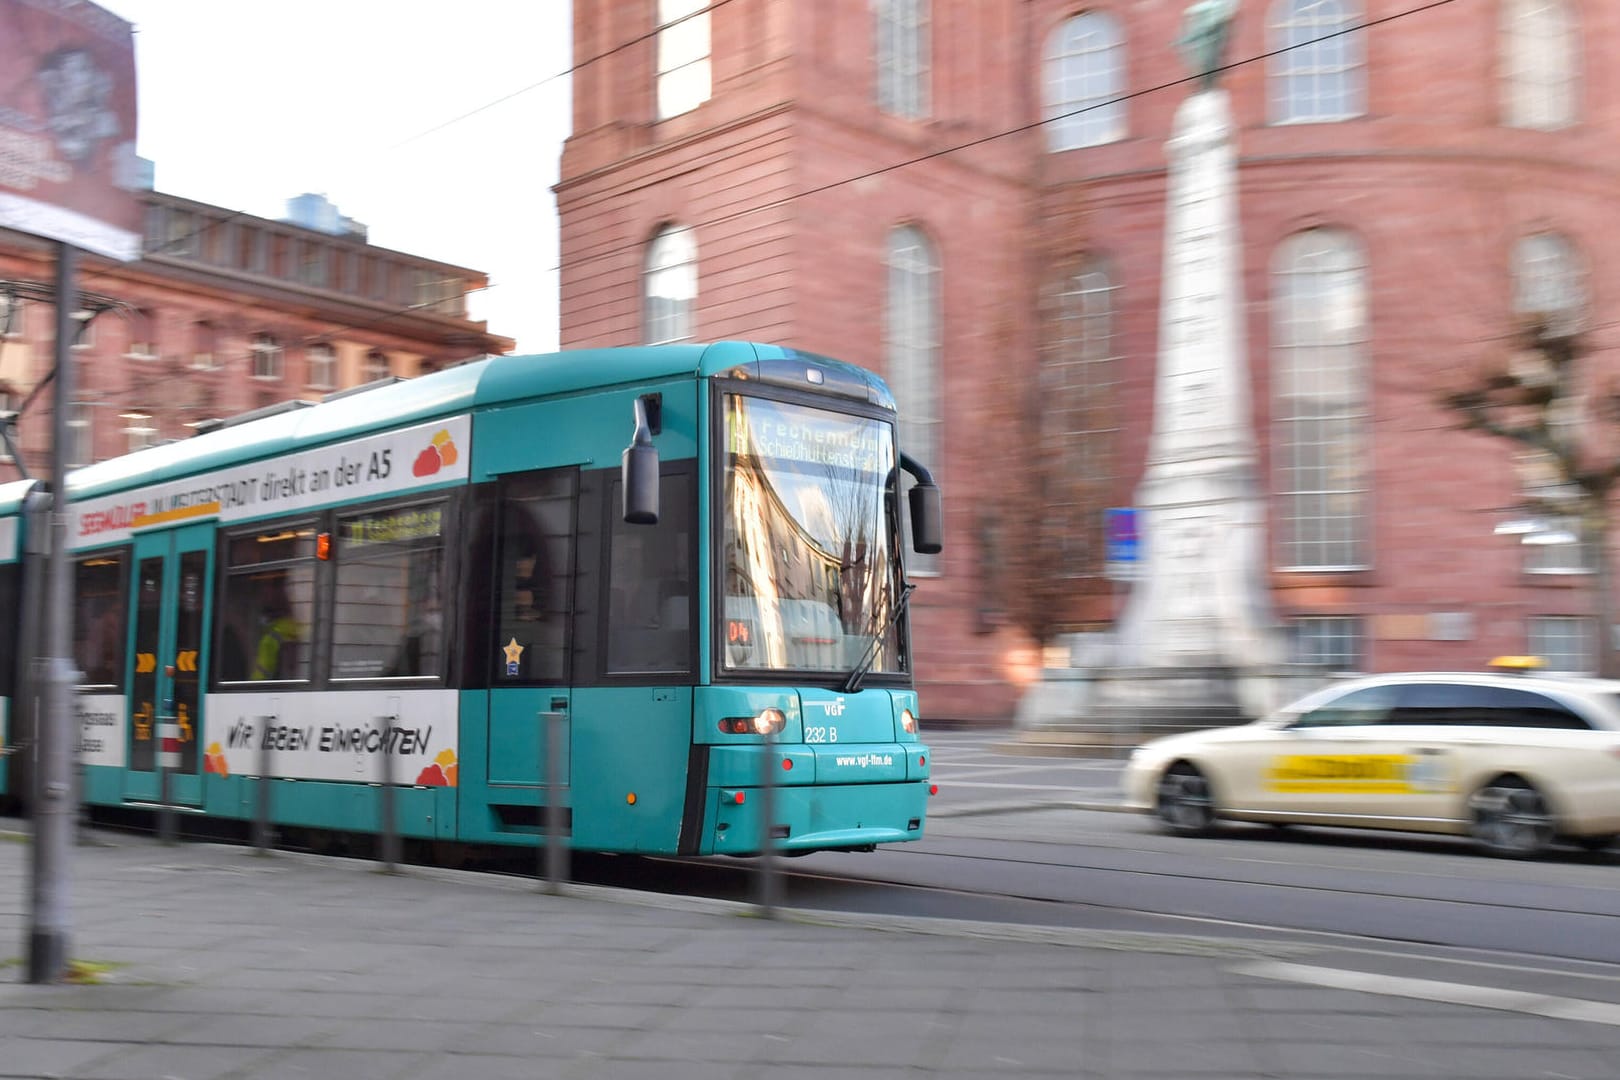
853, 682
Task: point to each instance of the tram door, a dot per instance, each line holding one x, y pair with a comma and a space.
170, 609
533, 613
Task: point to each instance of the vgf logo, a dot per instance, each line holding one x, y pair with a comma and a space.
834, 707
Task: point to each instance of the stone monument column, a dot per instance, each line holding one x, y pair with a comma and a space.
1202, 601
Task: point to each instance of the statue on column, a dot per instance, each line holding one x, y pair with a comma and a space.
1205, 26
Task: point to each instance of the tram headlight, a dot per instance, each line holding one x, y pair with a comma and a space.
908, 722
767, 722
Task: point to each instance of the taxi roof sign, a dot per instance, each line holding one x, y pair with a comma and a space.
1518, 663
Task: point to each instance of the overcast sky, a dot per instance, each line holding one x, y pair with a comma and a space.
247, 103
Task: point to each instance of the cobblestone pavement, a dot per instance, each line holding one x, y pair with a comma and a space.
207, 960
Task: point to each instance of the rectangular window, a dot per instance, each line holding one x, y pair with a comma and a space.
388, 618
14, 312
157, 229
182, 234
1555, 546
313, 261
100, 617
902, 57
1330, 641
79, 439
84, 332
257, 250
535, 560
143, 334
139, 430
1564, 642
268, 604
322, 367
220, 242
649, 613
204, 342
683, 56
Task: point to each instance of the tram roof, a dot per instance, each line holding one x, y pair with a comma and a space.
12, 494
494, 381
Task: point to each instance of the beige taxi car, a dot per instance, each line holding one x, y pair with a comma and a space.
1519, 762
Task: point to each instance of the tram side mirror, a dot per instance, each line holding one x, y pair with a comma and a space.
639, 466
927, 522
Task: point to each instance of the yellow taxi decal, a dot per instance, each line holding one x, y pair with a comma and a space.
1371, 774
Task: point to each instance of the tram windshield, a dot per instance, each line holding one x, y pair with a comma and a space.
809, 542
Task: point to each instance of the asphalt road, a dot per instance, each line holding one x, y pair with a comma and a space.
1006, 843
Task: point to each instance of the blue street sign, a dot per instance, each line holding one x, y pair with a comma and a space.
1123, 545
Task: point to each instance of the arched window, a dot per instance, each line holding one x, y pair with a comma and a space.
1081, 370
911, 345
1548, 285
1079, 418
1319, 377
902, 57
1541, 68
1084, 78
683, 56
1317, 71
1547, 280
266, 352
670, 283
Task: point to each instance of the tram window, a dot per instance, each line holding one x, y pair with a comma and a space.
650, 585
388, 619
100, 618
536, 564
268, 605
10, 605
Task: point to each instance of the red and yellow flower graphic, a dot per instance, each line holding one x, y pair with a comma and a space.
440, 454
442, 773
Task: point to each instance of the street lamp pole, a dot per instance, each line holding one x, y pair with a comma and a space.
54, 804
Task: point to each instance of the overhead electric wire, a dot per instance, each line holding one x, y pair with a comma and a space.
969, 144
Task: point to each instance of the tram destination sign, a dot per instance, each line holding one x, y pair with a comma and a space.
392, 463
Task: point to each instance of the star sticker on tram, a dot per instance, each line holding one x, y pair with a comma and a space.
513, 651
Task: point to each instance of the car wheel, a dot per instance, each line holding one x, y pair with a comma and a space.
1510, 817
1186, 805
1593, 843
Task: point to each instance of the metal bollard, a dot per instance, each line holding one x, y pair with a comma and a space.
168, 757
556, 856
390, 818
769, 882
261, 810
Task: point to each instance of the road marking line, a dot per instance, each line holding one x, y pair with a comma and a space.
1483, 997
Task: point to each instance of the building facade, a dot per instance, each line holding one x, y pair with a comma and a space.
962, 195
224, 313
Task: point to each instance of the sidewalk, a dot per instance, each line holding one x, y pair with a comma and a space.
227, 964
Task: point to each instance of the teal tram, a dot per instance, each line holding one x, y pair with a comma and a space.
687, 559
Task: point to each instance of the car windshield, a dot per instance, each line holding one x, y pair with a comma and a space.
809, 540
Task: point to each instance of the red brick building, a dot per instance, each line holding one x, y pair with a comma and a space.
958, 193
223, 313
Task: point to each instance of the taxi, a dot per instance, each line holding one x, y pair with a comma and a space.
1516, 761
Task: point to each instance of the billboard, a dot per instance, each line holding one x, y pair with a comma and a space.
67, 125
